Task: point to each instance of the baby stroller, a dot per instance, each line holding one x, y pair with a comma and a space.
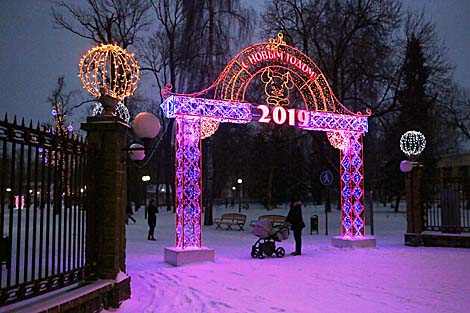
268, 235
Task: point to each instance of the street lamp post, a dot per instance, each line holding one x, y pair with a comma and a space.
240, 182
145, 179
232, 196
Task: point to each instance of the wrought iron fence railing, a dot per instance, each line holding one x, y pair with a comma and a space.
446, 204
42, 211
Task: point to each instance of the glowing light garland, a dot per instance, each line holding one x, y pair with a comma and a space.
208, 127
121, 110
109, 70
412, 143
339, 139
199, 117
19, 202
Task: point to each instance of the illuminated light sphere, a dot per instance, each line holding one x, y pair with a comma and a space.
54, 112
208, 127
109, 70
70, 128
146, 125
412, 143
338, 139
137, 152
121, 110
406, 166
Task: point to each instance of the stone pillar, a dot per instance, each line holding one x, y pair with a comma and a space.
107, 197
414, 208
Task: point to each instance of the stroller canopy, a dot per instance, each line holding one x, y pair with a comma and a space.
263, 228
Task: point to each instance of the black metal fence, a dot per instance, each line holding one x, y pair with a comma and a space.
42, 212
446, 203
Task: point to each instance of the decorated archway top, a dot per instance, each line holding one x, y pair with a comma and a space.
280, 68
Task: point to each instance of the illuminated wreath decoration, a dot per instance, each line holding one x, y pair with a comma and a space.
412, 143
338, 139
208, 127
121, 111
109, 70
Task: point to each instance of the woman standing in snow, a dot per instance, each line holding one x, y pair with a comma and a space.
294, 218
152, 211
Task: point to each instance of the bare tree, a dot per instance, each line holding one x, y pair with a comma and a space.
191, 44
456, 111
103, 21
351, 41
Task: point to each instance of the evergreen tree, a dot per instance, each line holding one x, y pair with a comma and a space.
417, 108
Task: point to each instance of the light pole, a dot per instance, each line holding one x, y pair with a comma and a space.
232, 197
145, 179
240, 182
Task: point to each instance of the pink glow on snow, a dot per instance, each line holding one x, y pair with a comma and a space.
386, 279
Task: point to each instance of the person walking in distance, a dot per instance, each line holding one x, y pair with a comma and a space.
294, 218
129, 214
152, 211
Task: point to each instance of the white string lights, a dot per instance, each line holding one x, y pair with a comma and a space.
412, 143
121, 111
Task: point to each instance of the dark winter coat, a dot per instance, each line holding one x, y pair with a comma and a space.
152, 217
294, 217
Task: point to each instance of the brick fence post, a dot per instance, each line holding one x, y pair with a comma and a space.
414, 206
107, 198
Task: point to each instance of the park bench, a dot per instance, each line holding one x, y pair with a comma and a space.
231, 219
275, 219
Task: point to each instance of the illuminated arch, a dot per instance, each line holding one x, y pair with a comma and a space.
199, 114
309, 81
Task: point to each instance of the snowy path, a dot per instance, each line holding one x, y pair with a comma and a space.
390, 278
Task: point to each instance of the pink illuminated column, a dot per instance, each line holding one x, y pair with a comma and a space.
352, 189
188, 182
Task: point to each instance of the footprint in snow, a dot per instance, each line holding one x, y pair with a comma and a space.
216, 304
238, 274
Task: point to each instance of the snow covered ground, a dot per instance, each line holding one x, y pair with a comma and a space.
389, 278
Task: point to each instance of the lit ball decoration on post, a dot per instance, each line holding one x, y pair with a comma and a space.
412, 143
146, 125
208, 127
406, 166
137, 152
338, 139
108, 71
121, 111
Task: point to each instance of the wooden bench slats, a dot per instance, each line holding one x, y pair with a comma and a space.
231, 219
276, 219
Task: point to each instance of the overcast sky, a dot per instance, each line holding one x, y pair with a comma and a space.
33, 54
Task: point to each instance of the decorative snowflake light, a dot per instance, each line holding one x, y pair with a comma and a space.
109, 70
412, 143
208, 127
338, 139
121, 111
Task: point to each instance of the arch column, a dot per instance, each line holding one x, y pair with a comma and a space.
188, 182
352, 189
188, 192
